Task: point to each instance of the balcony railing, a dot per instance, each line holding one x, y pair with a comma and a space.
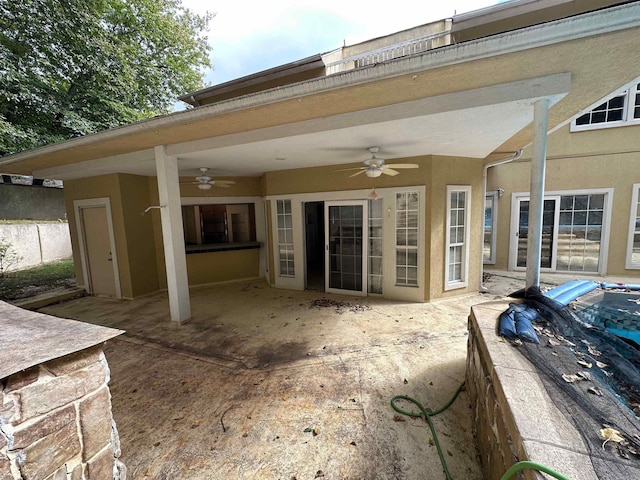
384, 54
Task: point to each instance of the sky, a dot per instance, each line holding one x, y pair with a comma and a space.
248, 37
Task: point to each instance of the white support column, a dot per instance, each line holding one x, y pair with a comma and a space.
536, 198
172, 235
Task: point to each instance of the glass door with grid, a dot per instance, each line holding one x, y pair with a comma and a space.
346, 247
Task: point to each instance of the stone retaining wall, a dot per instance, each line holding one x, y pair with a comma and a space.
514, 418
56, 421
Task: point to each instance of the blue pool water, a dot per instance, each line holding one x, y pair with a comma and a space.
615, 311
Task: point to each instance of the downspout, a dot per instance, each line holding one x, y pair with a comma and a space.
485, 171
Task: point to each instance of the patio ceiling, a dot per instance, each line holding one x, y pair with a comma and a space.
472, 124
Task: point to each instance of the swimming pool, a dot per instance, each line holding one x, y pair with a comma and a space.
618, 312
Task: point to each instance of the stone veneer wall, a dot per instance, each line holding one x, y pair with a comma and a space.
56, 421
492, 430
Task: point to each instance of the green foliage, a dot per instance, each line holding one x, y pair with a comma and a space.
74, 67
33, 281
8, 256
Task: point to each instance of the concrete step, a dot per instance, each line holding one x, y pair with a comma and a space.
49, 298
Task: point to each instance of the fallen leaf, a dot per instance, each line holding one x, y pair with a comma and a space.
319, 474
406, 381
315, 432
308, 430
585, 364
601, 365
449, 453
595, 391
610, 435
571, 378
593, 351
552, 343
353, 443
431, 442
398, 418
585, 376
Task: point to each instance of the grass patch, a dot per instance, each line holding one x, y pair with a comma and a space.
29, 222
27, 283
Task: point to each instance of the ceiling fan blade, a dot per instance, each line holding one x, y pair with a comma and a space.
357, 173
348, 169
221, 185
389, 171
224, 182
403, 165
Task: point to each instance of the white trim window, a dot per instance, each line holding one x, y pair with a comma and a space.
621, 108
633, 242
457, 237
490, 228
285, 239
407, 215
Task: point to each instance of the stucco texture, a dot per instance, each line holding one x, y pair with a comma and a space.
585, 160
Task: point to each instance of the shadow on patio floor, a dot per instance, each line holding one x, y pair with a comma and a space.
230, 394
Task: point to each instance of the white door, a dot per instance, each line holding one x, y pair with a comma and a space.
99, 268
549, 233
346, 247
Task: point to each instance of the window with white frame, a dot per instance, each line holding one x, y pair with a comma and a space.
375, 246
633, 243
623, 108
457, 236
407, 213
285, 238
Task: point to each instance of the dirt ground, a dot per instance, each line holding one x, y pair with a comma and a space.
278, 384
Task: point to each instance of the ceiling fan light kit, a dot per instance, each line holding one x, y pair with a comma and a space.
205, 182
375, 167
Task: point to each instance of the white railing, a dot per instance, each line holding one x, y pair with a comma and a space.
384, 54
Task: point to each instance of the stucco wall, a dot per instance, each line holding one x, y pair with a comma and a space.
214, 267
454, 171
607, 158
37, 243
435, 173
27, 202
98, 187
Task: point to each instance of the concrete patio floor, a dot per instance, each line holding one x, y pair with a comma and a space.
230, 394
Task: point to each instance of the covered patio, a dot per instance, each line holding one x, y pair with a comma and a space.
231, 393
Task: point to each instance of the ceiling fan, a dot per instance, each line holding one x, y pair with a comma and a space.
374, 166
204, 181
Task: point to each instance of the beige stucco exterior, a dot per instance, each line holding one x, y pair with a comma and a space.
607, 158
450, 110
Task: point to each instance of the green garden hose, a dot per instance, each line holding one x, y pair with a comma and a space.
427, 417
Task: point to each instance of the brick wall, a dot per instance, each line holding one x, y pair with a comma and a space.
56, 422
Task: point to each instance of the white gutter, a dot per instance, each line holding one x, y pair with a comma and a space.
485, 171
623, 17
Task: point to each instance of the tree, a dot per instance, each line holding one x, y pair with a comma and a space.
74, 67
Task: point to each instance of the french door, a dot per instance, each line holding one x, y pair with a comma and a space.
346, 247
573, 232
549, 233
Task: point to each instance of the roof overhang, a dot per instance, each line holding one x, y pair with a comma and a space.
472, 99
